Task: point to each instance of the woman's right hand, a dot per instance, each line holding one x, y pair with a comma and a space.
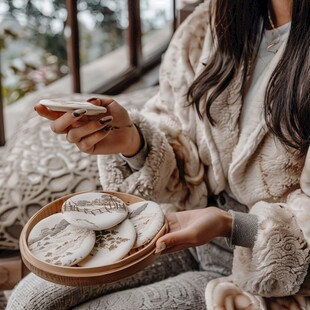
192, 228
106, 133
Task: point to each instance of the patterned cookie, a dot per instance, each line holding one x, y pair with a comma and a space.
111, 245
96, 211
147, 218
55, 241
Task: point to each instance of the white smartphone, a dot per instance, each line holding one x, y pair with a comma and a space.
62, 105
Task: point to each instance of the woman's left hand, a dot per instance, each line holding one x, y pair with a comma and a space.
112, 132
192, 228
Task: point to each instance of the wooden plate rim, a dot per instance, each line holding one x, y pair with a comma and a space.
75, 272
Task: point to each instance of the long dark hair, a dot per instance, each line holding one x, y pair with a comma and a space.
237, 30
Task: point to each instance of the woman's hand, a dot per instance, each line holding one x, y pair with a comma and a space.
192, 228
108, 133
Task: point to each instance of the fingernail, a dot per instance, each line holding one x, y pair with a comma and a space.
105, 120
78, 112
90, 99
160, 248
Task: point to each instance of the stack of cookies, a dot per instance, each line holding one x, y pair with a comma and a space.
94, 229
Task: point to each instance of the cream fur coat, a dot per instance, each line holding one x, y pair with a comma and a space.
189, 159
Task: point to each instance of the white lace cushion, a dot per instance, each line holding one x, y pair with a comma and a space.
38, 166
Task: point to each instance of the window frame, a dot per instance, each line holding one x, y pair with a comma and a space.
2, 131
138, 66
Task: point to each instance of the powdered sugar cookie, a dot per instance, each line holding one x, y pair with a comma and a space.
96, 211
64, 105
111, 245
55, 241
147, 218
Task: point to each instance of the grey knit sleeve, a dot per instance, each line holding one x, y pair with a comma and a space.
244, 229
136, 162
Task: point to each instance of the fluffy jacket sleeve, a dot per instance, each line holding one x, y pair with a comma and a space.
278, 263
172, 171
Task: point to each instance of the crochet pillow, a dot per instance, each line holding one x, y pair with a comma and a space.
38, 166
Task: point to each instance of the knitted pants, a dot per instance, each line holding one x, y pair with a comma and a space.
173, 281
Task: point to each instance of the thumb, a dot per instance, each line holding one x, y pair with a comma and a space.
101, 101
170, 240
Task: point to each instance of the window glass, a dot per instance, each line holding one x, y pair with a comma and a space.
103, 32
33, 42
32, 45
157, 24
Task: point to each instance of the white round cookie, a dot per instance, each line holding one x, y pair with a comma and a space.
147, 218
56, 242
111, 245
96, 211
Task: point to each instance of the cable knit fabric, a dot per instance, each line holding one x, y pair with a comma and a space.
173, 281
184, 291
189, 159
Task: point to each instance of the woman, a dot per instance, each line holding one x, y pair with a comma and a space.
229, 129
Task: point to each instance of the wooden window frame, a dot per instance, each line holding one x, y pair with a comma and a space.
2, 132
137, 65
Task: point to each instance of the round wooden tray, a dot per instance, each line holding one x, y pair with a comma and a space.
135, 261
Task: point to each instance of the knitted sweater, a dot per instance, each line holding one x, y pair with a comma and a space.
189, 159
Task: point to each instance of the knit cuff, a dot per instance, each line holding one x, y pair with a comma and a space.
244, 229
136, 162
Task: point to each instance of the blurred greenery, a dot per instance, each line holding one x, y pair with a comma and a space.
33, 39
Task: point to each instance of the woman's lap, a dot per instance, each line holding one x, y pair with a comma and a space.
175, 280
183, 292
35, 293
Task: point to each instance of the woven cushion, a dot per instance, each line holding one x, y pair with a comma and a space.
38, 166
